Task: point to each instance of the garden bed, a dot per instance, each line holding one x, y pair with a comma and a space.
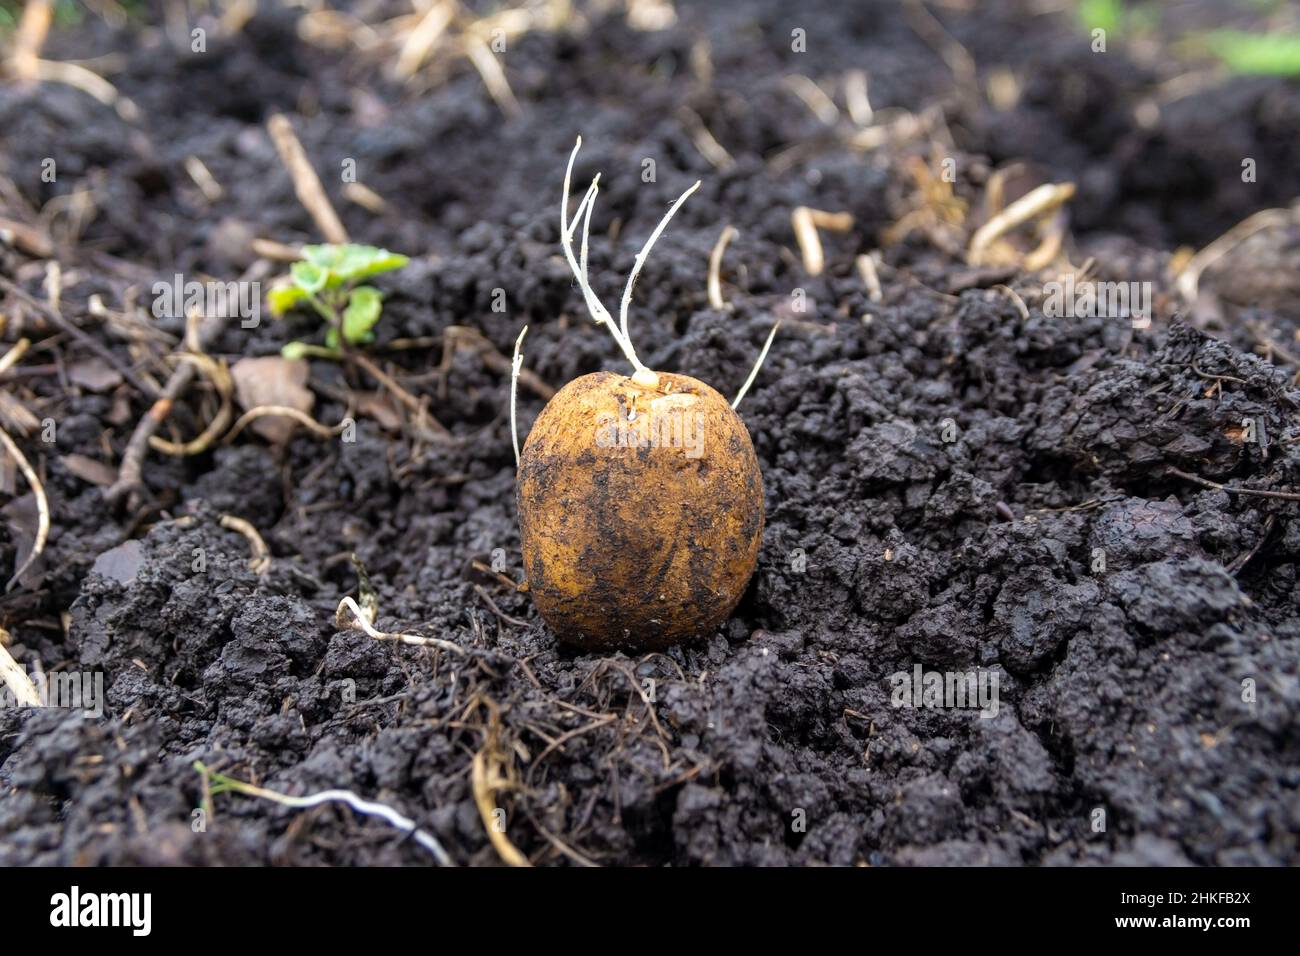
942, 461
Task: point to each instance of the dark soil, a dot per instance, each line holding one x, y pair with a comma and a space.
1121, 689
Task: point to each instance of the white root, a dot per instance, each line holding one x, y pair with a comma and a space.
368, 808
814, 97
361, 623
753, 373
578, 265
589, 201
855, 97
516, 363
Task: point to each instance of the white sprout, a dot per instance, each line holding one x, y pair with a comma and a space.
641, 257
642, 375
567, 227
516, 363
753, 373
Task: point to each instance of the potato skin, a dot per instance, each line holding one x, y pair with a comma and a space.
638, 546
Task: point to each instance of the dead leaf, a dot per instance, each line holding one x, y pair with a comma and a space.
121, 564
22, 518
94, 375
16, 417
382, 408
89, 470
120, 411
272, 380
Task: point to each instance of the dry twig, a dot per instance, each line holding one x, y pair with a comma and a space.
1231, 489
130, 480
42, 506
1035, 204
15, 678
806, 222
75, 331
715, 267
306, 183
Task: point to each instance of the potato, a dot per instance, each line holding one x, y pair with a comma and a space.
640, 500
640, 511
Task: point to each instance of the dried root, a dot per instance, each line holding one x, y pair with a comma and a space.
305, 181
15, 678
488, 774
260, 562
285, 411
1036, 204
806, 222
715, 267
753, 373
42, 506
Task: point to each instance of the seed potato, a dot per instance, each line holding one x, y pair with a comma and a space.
640, 498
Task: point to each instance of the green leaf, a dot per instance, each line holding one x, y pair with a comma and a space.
325, 256
294, 350
361, 314
1101, 15
309, 276
283, 298
352, 263
1259, 54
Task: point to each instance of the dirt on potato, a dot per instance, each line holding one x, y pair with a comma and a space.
640, 512
956, 482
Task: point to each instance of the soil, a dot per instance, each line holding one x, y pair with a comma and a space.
941, 471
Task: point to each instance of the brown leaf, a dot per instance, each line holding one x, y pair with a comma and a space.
121, 564
89, 470
23, 518
272, 380
381, 407
17, 417
94, 375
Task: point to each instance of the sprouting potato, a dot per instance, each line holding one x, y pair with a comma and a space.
640, 497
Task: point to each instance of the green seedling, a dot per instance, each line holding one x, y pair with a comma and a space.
1100, 15
1117, 18
1257, 54
328, 278
67, 13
